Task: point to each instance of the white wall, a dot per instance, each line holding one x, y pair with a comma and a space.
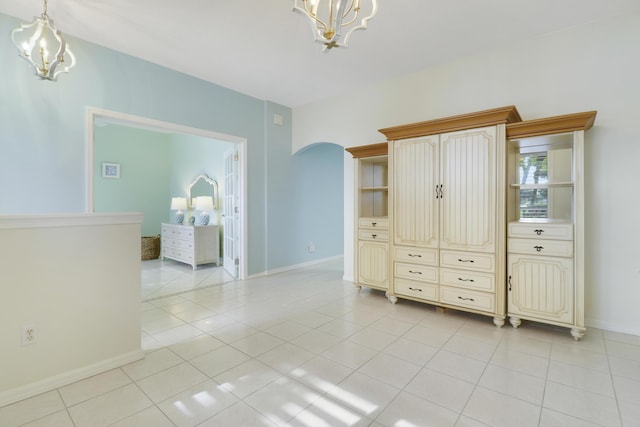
76, 280
589, 67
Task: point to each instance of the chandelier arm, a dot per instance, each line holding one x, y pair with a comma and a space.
313, 16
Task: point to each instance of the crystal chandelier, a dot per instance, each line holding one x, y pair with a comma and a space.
36, 42
333, 21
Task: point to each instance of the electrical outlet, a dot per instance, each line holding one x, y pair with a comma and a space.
28, 335
312, 247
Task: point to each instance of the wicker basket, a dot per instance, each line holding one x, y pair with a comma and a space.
150, 247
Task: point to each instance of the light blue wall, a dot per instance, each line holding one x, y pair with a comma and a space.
43, 133
192, 156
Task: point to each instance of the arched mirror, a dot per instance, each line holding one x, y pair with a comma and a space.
203, 186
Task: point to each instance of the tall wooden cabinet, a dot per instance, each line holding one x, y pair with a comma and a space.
546, 221
447, 197
371, 219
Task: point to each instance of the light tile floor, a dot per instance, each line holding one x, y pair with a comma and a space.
303, 348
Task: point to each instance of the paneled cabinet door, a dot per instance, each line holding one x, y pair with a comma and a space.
541, 288
468, 196
415, 191
373, 264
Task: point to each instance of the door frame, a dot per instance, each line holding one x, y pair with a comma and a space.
97, 114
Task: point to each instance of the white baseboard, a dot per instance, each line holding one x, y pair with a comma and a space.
33, 389
612, 327
295, 267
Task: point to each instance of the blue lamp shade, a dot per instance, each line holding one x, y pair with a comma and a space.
178, 204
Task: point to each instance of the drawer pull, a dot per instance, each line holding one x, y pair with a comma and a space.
466, 299
538, 231
415, 255
465, 260
415, 272
415, 289
373, 236
466, 280
509, 283
539, 248
373, 224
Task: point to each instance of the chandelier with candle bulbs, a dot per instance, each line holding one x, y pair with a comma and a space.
333, 21
41, 44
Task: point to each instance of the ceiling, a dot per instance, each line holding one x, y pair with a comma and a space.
263, 49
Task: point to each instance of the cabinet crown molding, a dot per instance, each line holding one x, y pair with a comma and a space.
371, 150
502, 115
551, 125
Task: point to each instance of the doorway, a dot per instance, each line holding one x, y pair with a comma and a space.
96, 117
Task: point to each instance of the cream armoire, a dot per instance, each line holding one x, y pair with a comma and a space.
481, 212
447, 195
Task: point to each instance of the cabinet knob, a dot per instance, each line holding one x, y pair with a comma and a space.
538, 231
539, 248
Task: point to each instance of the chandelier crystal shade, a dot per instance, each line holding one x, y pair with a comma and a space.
333, 21
41, 44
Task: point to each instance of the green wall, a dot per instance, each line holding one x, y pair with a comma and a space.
154, 167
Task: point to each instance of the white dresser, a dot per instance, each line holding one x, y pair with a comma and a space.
190, 244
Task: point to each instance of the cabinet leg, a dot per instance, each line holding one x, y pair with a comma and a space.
358, 288
577, 334
515, 322
392, 299
441, 309
498, 321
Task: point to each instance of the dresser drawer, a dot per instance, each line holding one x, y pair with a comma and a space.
175, 243
561, 231
177, 254
416, 272
466, 298
425, 291
563, 248
374, 223
468, 279
467, 261
178, 232
416, 256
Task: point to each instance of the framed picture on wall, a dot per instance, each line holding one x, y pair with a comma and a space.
111, 170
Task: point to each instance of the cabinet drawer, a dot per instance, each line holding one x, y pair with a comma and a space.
416, 272
468, 279
467, 261
426, 291
466, 298
378, 235
416, 256
563, 248
541, 231
374, 223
